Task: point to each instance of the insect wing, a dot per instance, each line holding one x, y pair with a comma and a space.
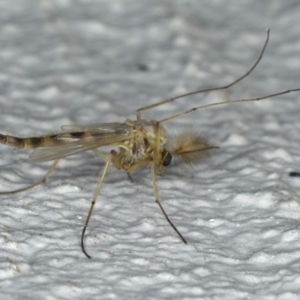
93, 128
94, 136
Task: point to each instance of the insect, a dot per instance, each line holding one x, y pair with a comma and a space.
139, 143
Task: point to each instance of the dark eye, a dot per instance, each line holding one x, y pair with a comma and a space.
167, 159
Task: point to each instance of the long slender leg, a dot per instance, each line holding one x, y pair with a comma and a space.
129, 177
160, 205
48, 174
100, 154
138, 165
96, 193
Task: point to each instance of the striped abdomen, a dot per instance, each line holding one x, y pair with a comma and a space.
42, 141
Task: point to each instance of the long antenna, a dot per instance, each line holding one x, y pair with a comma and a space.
138, 115
227, 102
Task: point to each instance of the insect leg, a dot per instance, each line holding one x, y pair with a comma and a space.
153, 176
138, 165
48, 174
96, 193
100, 154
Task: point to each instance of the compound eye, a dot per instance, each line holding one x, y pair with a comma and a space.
167, 159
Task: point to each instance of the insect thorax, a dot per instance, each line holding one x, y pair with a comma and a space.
143, 144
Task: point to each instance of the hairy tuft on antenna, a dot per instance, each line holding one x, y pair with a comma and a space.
189, 146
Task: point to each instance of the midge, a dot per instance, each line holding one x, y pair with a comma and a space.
139, 142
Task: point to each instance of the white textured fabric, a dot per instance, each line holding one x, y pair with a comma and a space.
83, 62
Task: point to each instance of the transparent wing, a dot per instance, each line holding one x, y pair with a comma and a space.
69, 143
101, 127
